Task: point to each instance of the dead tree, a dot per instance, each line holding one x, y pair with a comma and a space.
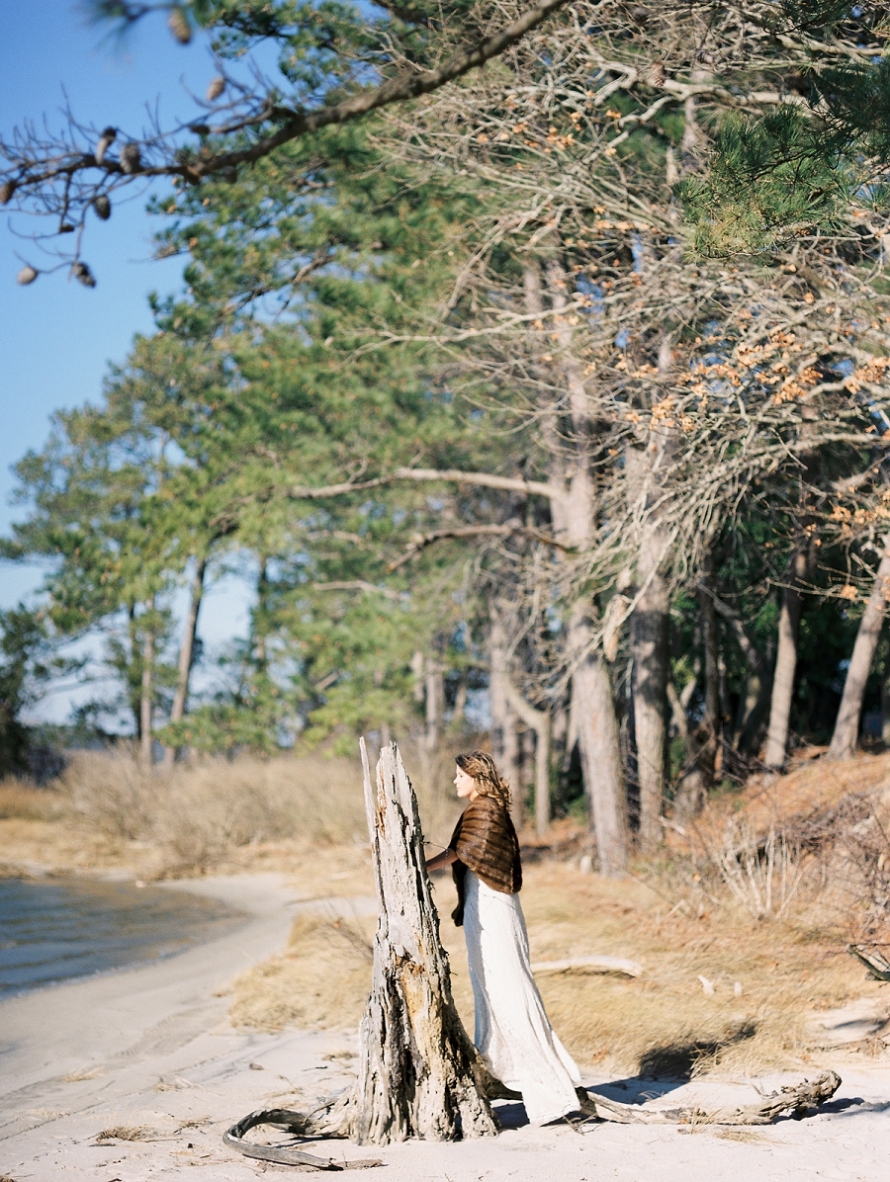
417, 1075
846, 727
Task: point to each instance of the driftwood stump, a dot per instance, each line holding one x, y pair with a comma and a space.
416, 1073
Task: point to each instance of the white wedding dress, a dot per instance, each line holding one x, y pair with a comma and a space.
513, 1032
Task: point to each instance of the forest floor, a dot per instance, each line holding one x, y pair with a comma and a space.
724, 999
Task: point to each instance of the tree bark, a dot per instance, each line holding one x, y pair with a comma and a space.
786, 665
573, 513
417, 1066
539, 722
599, 746
846, 729
146, 693
649, 643
186, 654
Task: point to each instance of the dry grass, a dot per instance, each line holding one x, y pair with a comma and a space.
661, 1023
124, 1133
24, 802
679, 917
664, 1021
321, 982
771, 800
108, 812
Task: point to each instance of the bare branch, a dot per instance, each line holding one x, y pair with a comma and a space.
420, 543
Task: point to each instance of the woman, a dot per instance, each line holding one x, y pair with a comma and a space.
513, 1033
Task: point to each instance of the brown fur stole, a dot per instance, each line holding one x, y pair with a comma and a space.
486, 843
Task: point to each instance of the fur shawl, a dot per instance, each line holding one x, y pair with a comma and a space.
486, 843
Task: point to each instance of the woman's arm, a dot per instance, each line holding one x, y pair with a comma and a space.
441, 860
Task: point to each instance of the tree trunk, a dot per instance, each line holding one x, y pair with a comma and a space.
885, 705
539, 722
649, 646
417, 690
417, 1066
504, 740
846, 728
261, 616
146, 693
435, 702
786, 665
707, 760
649, 642
573, 521
459, 717
186, 655
646, 474
599, 745
691, 793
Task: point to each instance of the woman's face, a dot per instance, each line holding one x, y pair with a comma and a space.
465, 785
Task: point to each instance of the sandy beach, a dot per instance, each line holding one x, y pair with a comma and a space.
149, 1052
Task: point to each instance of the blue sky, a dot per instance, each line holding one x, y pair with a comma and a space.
57, 337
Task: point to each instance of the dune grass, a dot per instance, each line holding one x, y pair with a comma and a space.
108, 812
768, 978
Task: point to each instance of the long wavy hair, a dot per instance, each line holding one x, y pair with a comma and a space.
489, 781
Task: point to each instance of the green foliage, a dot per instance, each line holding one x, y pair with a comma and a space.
769, 180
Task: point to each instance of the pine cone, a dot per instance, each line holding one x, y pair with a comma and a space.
656, 74
179, 26
102, 206
83, 274
107, 138
26, 275
215, 89
6, 191
131, 158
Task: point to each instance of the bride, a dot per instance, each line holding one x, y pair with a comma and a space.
513, 1033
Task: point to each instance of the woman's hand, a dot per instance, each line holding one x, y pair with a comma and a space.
441, 860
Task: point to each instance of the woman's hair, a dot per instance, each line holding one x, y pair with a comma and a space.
489, 781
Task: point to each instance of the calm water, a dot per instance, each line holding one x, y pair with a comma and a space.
55, 930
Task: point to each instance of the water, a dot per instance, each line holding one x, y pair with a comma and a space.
59, 929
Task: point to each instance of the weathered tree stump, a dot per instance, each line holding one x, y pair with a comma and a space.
419, 1074
416, 1073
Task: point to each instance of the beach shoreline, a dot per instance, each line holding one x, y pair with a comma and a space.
147, 1056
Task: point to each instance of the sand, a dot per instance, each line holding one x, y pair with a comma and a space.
148, 1053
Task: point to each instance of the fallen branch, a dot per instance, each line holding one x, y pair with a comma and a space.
877, 965
287, 1155
597, 964
798, 1100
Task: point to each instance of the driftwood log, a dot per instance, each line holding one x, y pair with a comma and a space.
419, 1074
799, 1100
